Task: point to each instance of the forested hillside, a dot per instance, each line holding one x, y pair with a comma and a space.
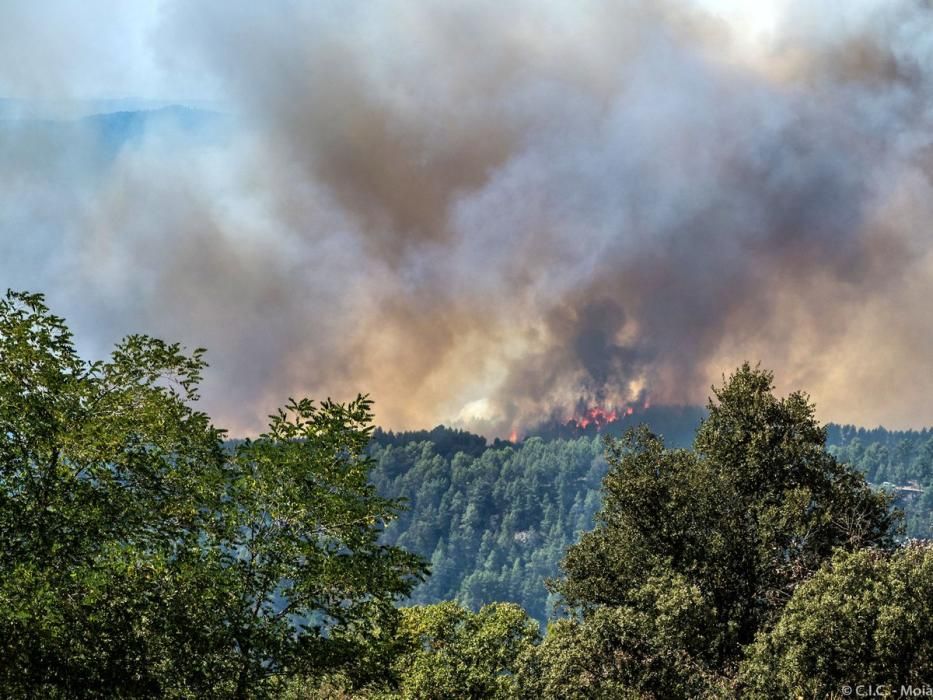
493, 525
495, 521
897, 460
144, 557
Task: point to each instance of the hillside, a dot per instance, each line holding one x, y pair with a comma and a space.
495, 519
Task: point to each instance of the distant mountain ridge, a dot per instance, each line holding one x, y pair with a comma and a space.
70, 110
100, 136
117, 128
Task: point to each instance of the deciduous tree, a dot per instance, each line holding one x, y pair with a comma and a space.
141, 557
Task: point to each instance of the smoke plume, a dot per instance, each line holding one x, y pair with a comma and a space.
490, 213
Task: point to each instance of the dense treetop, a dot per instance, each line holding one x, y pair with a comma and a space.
142, 559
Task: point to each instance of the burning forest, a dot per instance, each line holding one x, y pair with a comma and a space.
534, 225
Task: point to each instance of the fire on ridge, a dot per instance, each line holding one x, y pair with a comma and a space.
585, 419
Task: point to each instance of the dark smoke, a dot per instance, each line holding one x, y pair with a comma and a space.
489, 212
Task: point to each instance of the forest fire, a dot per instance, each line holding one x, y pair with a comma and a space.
600, 417
677, 424
595, 418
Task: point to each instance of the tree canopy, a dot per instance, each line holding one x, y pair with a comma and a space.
140, 558
735, 525
864, 619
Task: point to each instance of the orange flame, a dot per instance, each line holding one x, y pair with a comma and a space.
600, 417
597, 416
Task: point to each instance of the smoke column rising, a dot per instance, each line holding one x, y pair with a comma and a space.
489, 213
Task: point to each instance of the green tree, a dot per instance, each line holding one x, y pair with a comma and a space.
107, 479
864, 619
141, 558
786, 503
299, 544
651, 647
744, 518
446, 651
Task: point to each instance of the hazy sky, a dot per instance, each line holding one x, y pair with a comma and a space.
484, 212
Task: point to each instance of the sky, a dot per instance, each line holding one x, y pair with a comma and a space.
482, 213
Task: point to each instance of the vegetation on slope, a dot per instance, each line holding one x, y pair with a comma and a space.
144, 557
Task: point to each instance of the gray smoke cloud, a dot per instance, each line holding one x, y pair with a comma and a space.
490, 213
